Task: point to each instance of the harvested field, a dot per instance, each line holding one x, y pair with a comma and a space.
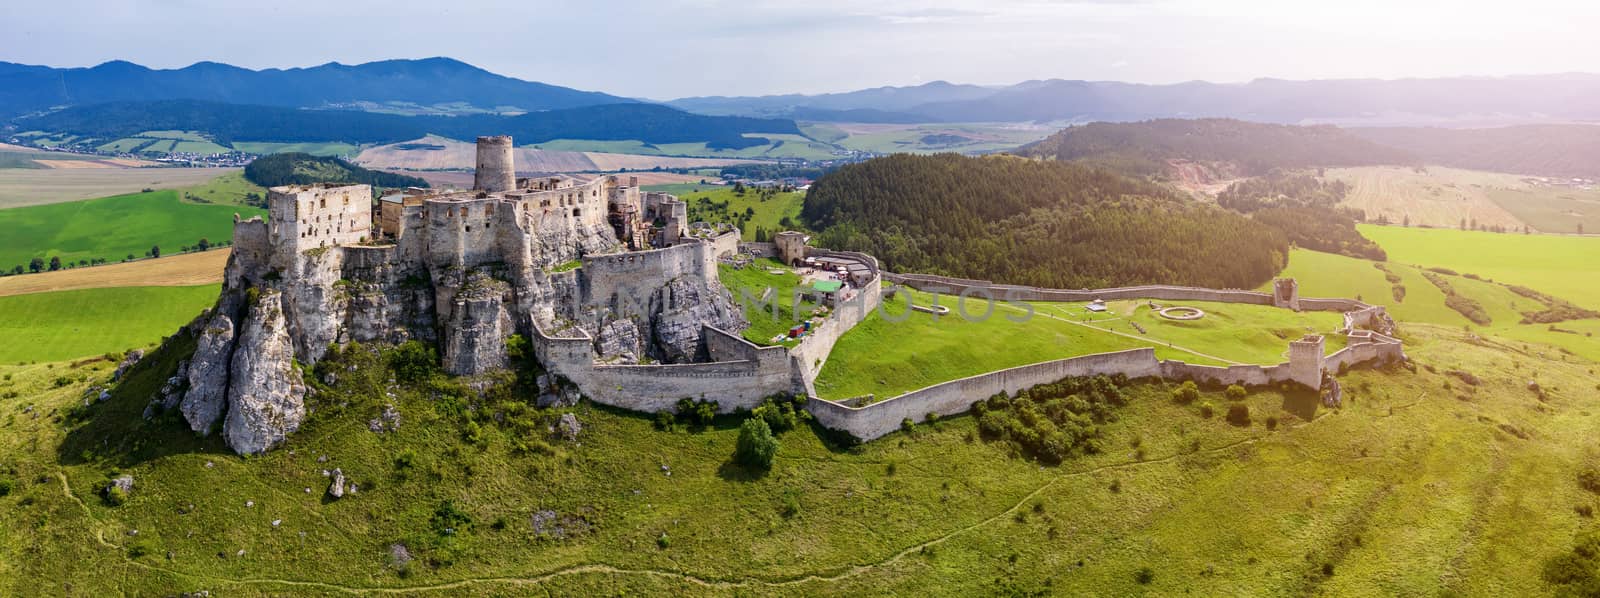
31, 187
181, 270
1438, 196
75, 164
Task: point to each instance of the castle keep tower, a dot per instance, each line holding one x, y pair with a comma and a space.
496, 169
1306, 360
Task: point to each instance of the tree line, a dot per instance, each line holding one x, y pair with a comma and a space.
295, 168
1305, 208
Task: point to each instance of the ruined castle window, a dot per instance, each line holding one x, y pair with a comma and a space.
451, 212
324, 202
575, 213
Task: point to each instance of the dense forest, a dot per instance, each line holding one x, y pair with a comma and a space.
1542, 150
1051, 224
1305, 209
226, 123
304, 169
1143, 148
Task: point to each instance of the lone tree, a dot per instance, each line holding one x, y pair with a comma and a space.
35, 265
204, 244
55, 263
756, 446
155, 251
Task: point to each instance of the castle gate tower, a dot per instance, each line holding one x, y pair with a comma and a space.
496, 169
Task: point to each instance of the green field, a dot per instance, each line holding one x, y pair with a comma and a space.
113, 227
885, 358
315, 149
66, 325
1327, 275
1563, 266
1552, 209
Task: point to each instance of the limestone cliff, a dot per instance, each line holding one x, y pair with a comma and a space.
266, 397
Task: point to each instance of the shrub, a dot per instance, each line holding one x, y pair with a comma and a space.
1186, 393
1144, 576
1589, 479
908, 426
115, 496
756, 446
1207, 410
413, 361
6, 486
1272, 422
1239, 415
1235, 392
665, 420
663, 542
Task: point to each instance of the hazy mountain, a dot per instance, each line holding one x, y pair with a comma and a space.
225, 123
1463, 101
887, 102
425, 82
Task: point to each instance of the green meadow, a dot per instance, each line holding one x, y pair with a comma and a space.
115, 227
1563, 266
65, 325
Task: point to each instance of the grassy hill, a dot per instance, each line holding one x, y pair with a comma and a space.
1411, 487
1144, 148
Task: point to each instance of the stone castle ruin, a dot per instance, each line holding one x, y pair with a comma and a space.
617, 296
598, 259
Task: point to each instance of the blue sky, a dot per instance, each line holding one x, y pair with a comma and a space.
671, 48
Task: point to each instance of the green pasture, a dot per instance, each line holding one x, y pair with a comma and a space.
113, 227
64, 325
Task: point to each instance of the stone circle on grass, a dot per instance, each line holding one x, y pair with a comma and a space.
1182, 313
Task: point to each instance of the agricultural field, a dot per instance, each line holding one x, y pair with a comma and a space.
1563, 266
1434, 196
24, 187
231, 188
112, 228
1442, 197
315, 149
1408, 489
965, 138
885, 357
765, 211
63, 325
181, 270
782, 145
1328, 275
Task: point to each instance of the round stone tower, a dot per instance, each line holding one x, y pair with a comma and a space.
496, 168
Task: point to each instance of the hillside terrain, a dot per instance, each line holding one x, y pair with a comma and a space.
1051, 224
1552, 150
1251, 149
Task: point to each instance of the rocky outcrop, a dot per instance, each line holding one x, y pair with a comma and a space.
619, 342
681, 308
266, 398
207, 397
475, 339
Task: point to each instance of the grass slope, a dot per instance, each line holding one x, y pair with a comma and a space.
1407, 490
23, 187
181, 270
113, 227
64, 325
767, 211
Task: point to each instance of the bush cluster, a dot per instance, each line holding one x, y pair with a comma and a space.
1051, 422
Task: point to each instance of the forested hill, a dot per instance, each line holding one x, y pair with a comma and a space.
1545, 150
1143, 148
417, 84
304, 169
1042, 223
649, 123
